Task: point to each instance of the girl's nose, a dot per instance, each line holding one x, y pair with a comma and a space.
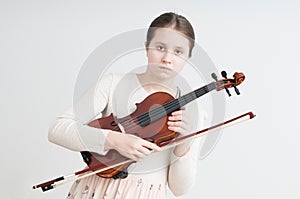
167, 58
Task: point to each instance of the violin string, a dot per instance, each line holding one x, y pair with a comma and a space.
144, 118
175, 104
158, 112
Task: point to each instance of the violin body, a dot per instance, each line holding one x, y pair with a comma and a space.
142, 123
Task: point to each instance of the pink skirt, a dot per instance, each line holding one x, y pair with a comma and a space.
132, 187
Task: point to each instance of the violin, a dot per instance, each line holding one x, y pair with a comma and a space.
149, 121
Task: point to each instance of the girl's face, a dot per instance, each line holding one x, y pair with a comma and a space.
167, 53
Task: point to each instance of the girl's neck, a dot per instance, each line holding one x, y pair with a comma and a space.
152, 84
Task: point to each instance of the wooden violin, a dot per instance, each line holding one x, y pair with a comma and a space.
149, 121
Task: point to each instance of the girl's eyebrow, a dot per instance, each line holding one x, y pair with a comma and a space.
182, 48
159, 42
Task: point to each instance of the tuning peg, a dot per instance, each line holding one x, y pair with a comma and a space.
227, 91
214, 76
224, 74
237, 90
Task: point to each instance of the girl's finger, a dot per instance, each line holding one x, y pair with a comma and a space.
179, 112
144, 150
175, 124
175, 117
150, 145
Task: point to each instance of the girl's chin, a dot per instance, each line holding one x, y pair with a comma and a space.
165, 75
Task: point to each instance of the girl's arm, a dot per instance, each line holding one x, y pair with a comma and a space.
70, 129
184, 160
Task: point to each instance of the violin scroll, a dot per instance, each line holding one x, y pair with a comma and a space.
226, 83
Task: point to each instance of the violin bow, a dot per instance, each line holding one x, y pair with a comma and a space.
51, 184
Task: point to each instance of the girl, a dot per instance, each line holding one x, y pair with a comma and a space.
169, 44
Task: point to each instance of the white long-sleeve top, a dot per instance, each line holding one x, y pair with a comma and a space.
119, 94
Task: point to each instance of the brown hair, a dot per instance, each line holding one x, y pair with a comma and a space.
174, 21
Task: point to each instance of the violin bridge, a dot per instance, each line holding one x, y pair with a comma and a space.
121, 127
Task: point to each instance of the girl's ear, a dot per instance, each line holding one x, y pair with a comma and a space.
146, 43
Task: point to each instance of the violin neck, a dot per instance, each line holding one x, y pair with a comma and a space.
187, 98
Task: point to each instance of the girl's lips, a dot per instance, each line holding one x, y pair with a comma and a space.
165, 68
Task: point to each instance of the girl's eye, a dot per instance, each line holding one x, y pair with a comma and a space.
178, 52
160, 48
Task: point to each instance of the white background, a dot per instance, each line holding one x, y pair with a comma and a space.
44, 43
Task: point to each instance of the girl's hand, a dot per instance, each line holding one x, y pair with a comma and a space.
130, 146
179, 122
